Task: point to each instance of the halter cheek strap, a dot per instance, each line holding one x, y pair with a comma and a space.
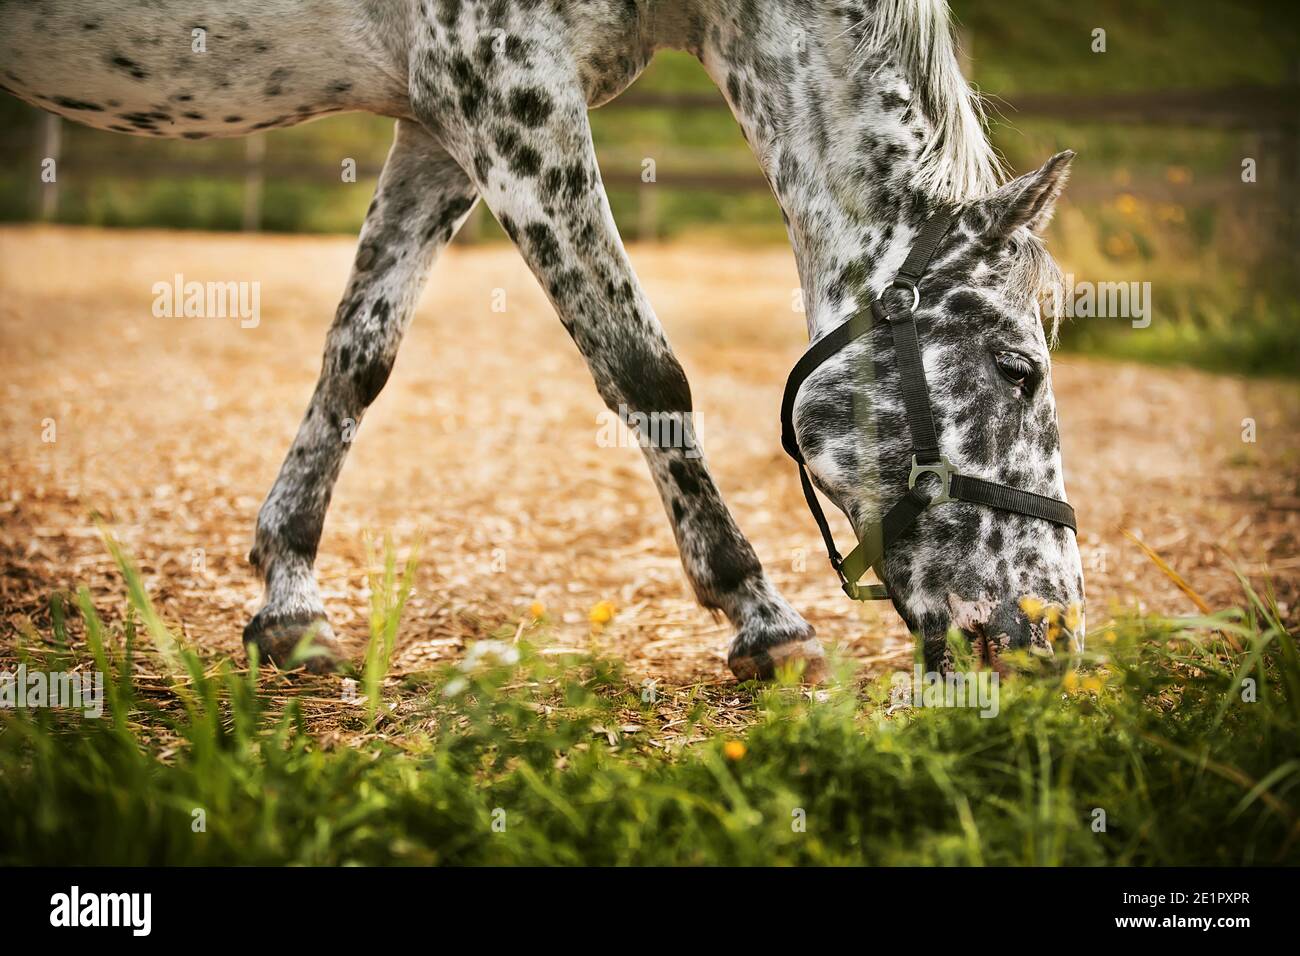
926, 458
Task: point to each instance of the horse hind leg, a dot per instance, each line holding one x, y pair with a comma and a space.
422, 199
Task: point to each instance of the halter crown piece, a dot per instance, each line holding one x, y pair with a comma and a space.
926, 458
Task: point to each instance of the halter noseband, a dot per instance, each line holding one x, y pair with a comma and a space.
926, 458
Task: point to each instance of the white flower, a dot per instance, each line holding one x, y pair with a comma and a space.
489, 654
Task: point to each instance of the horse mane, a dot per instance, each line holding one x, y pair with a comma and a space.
1035, 277
959, 163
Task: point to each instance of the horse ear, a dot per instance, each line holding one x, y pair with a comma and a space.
1029, 200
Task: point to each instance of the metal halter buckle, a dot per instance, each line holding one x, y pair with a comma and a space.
943, 469
864, 592
903, 284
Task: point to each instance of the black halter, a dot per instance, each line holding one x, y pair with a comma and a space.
926, 458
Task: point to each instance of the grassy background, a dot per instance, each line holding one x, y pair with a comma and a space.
515, 756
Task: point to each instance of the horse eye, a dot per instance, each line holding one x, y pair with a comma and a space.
1015, 368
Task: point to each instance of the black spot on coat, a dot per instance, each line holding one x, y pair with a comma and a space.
530, 106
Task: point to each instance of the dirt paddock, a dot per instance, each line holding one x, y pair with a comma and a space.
484, 446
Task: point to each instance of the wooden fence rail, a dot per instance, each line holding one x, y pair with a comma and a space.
1272, 113
1234, 107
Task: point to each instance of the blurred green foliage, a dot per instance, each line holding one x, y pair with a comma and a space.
1044, 46
1222, 299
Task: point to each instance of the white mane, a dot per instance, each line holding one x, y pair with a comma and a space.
959, 163
1035, 277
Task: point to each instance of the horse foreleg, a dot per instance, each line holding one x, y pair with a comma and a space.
535, 166
422, 198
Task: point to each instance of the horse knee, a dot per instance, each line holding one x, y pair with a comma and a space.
647, 381
361, 357
365, 372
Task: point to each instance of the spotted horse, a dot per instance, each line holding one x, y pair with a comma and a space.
866, 130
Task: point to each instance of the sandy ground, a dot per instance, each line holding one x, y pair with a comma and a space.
484, 446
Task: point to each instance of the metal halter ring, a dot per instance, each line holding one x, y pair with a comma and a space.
942, 469
905, 284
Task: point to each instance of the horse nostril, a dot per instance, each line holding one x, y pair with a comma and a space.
970, 616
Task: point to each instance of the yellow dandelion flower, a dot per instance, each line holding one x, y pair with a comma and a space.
1169, 212
537, 610
1033, 608
601, 613
734, 749
1116, 246
1093, 685
1070, 682
1127, 204
1052, 615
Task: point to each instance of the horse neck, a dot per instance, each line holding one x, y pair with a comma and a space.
838, 136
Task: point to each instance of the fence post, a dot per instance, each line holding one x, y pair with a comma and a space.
51, 146
254, 177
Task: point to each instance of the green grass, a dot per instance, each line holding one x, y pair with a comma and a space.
1261, 342
548, 759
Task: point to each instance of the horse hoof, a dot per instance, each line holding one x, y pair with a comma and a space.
276, 636
763, 665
